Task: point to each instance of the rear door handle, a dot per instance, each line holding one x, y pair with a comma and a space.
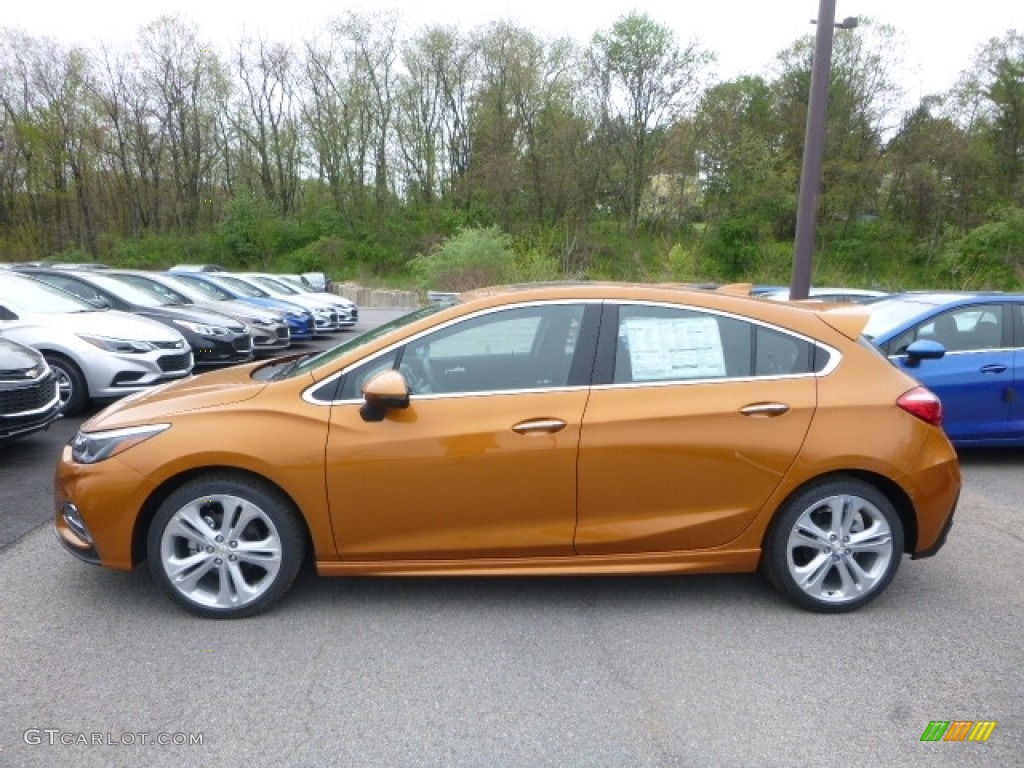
764, 410
532, 426
994, 368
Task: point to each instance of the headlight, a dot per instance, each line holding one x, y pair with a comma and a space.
202, 330
109, 344
93, 447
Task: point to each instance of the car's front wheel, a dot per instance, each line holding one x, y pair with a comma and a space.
71, 386
226, 546
835, 546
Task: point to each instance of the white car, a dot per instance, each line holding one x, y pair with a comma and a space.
96, 354
325, 316
348, 313
853, 295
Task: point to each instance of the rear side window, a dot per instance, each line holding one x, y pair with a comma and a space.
668, 344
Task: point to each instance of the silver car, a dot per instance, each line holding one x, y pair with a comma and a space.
96, 354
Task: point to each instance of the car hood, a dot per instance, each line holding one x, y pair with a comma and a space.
191, 314
110, 323
18, 362
208, 390
242, 309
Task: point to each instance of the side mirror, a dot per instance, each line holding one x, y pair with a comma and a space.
923, 349
382, 392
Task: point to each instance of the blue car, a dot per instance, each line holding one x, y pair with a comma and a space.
300, 319
968, 348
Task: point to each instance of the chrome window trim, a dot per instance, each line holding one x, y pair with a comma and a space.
987, 350
691, 382
834, 354
307, 393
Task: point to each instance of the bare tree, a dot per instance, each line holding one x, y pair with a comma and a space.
185, 77
267, 121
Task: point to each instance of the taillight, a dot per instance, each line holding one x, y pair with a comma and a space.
923, 403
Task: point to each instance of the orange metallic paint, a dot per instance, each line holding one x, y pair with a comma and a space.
450, 476
446, 486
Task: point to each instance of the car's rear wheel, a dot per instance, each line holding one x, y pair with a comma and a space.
71, 386
835, 546
226, 546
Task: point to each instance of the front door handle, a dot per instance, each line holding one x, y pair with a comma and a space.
764, 410
533, 426
993, 368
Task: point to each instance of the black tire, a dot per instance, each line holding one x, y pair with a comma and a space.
74, 392
810, 563
226, 546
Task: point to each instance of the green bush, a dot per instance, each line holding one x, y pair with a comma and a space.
989, 256
473, 258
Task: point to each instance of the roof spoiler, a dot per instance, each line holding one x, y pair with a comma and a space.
736, 289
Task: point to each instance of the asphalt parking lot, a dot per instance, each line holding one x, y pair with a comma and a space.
101, 669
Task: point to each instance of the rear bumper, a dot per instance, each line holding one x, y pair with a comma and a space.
941, 540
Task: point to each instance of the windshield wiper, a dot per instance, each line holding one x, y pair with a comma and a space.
288, 367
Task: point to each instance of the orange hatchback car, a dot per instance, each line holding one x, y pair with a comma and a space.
558, 429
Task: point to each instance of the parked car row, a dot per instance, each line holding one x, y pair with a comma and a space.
106, 333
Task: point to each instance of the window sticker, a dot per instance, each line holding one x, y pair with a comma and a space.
674, 348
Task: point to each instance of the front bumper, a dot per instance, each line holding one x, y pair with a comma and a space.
224, 350
270, 339
73, 535
28, 409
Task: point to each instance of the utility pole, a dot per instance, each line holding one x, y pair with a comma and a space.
814, 148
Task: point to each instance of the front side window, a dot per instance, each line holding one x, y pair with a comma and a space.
967, 329
512, 349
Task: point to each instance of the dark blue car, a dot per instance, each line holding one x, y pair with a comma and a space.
968, 348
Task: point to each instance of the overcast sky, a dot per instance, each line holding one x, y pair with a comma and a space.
744, 34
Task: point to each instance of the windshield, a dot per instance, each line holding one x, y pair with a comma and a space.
201, 288
296, 283
305, 365
275, 286
159, 290
243, 287
27, 295
890, 313
129, 293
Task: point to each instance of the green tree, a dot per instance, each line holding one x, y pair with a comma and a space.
644, 81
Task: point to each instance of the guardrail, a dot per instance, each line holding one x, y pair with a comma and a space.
376, 297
